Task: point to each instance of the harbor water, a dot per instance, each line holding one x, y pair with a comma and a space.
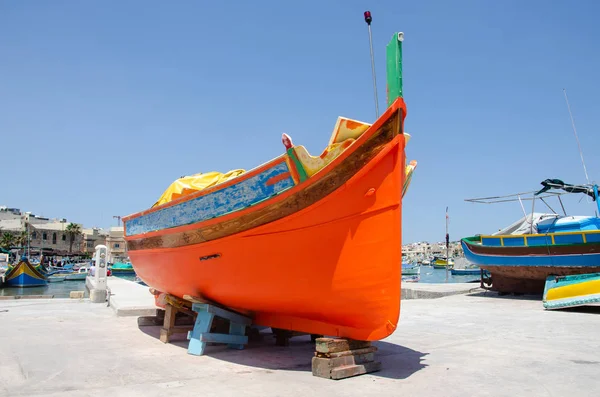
437, 276
56, 290
64, 288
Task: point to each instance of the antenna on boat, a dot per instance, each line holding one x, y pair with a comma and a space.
368, 20
576, 137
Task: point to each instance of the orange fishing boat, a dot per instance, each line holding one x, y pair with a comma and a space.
310, 244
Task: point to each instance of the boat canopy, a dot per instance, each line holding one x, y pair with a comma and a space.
539, 223
526, 225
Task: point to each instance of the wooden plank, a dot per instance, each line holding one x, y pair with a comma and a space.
203, 323
331, 345
344, 360
353, 370
366, 350
224, 338
231, 316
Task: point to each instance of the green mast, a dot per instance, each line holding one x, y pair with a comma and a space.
394, 67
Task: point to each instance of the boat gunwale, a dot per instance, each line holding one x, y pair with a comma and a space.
182, 229
246, 175
368, 134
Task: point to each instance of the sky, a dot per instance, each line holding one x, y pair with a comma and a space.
104, 104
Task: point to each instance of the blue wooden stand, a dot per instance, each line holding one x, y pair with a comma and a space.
200, 335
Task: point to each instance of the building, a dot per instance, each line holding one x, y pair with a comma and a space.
45, 235
52, 238
91, 238
116, 245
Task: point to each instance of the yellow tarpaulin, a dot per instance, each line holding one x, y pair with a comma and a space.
193, 183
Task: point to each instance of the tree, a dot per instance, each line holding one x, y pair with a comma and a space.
7, 241
21, 239
72, 231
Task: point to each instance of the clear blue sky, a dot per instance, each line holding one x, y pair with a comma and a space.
104, 104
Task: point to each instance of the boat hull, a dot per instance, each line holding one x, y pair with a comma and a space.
332, 268
24, 274
570, 291
525, 269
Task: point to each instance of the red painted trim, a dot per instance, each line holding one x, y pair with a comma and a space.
277, 178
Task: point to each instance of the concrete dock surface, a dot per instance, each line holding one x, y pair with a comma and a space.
461, 345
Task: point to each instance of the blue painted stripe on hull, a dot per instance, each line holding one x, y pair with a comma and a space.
492, 241
539, 240
218, 203
575, 260
568, 239
25, 280
514, 242
592, 237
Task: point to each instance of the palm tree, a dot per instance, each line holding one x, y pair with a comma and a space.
7, 241
73, 230
21, 239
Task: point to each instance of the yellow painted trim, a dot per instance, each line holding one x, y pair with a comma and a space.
525, 241
574, 290
552, 237
502, 241
584, 237
544, 234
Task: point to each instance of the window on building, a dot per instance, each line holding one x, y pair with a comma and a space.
64, 237
34, 235
53, 238
90, 244
116, 245
44, 236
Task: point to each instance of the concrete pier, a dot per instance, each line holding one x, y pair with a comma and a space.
460, 345
127, 298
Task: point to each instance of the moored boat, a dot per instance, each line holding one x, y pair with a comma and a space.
410, 269
302, 243
24, 274
522, 256
121, 268
440, 262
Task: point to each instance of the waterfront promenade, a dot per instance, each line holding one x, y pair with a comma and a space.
459, 345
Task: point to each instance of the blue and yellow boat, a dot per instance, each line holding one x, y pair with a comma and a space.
569, 291
522, 256
24, 274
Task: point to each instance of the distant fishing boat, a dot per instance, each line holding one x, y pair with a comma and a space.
523, 255
410, 269
440, 262
24, 274
304, 243
121, 268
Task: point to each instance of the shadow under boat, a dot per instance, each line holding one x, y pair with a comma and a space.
397, 362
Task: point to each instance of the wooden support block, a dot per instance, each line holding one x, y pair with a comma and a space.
366, 350
76, 294
344, 367
202, 326
229, 315
331, 345
353, 370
